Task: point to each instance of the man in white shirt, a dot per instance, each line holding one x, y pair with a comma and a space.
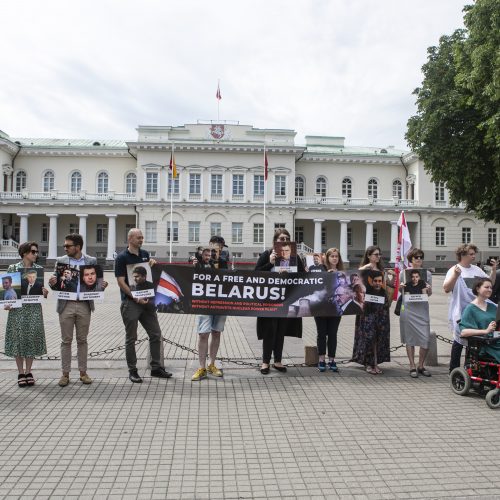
462, 295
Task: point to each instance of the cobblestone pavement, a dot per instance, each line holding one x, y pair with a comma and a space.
299, 435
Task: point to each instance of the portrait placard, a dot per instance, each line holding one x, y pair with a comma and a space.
32, 285
140, 280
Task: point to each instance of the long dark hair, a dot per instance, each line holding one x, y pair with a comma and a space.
366, 257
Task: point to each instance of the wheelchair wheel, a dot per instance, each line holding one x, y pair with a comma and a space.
460, 381
493, 398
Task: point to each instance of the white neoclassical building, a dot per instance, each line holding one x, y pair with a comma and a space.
324, 192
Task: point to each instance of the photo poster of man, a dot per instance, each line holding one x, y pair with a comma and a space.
314, 262
10, 292
32, 285
375, 286
286, 260
91, 278
67, 282
181, 289
140, 280
415, 289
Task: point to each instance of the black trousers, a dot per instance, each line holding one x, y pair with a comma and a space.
456, 354
327, 328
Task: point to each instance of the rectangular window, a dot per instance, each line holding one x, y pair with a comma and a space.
45, 232
216, 184
193, 232
323, 236
439, 191
466, 235
258, 185
258, 233
238, 184
101, 233
492, 237
175, 185
440, 257
128, 227
375, 236
349, 236
16, 232
73, 228
152, 183
194, 183
215, 229
299, 234
440, 236
175, 231
237, 232
236, 255
151, 231
280, 185
279, 225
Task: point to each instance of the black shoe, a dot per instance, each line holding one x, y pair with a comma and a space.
160, 373
281, 369
134, 377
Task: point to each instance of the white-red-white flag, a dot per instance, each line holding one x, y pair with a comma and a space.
218, 94
404, 246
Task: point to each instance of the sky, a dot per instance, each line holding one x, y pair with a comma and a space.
96, 69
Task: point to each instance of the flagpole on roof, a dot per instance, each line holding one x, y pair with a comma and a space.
172, 168
219, 97
265, 195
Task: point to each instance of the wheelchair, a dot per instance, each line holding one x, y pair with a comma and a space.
481, 372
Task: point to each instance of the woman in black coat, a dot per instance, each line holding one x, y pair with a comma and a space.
272, 331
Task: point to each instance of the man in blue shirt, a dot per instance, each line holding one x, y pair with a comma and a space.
135, 310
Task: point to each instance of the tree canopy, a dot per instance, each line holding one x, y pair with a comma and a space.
456, 131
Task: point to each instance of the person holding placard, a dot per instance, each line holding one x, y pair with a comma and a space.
372, 327
25, 333
414, 319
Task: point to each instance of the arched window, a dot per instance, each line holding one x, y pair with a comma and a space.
131, 183
102, 182
347, 187
321, 186
397, 189
20, 181
373, 189
76, 182
299, 186
48, 181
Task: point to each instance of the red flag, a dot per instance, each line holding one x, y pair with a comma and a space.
404, 246
218, 94
266, 164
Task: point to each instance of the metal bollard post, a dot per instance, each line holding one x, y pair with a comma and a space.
432, 356
162, 356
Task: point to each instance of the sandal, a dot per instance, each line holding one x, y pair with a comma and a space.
378, 371
21, 380
265, 370
424, 372
413, 373
371, 370
281, 369
29, 379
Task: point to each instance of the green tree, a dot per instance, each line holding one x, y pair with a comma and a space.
456, 130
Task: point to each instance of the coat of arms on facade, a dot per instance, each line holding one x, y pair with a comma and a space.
217, 132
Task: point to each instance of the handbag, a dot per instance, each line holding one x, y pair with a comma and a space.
397, 309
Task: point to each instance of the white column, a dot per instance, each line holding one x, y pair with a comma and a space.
82, 229
111, 236
317, 234
52, 236
23, 227
369, 233
394, 240
343, 240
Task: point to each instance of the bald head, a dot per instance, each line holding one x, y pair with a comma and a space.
135, 238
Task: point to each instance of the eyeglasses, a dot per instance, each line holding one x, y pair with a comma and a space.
34, 252
418, 257
68, 246
377, 254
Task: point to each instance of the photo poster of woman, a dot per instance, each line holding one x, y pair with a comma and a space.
140, 280
415, 289
32, 285
66, 287
286, 259
375, 285
10, 291
91, 278
343, 294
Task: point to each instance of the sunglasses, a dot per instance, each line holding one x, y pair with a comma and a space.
68, 246
419, 257
34, 252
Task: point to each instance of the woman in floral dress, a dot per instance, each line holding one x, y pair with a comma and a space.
25, 333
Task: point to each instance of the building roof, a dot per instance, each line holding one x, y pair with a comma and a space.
356, 151
70, 143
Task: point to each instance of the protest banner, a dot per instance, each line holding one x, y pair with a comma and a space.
187, 290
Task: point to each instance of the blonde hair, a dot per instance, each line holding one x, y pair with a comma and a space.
340, 265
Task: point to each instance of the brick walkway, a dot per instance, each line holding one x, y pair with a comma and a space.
299, 435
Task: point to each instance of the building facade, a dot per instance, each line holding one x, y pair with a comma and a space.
324, 192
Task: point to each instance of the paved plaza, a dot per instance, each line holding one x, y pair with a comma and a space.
304, 434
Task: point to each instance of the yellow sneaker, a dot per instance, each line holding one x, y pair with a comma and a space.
199, 374
213, 370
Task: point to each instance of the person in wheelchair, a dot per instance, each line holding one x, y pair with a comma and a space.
479, 318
